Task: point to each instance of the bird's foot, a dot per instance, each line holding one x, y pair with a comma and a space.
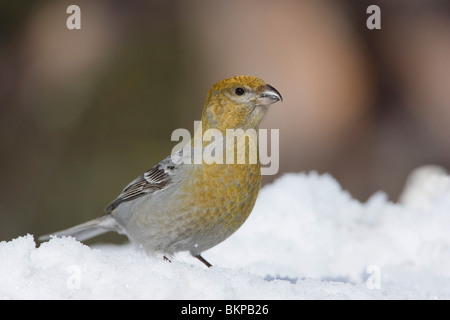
199, 257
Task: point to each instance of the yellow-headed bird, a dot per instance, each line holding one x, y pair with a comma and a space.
178, 206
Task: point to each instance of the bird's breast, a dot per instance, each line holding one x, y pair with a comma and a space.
223, 195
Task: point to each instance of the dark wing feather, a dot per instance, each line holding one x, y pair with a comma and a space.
157, 178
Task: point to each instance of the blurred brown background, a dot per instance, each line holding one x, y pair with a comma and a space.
83, 112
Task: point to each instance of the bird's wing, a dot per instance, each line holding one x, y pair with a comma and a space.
157, 178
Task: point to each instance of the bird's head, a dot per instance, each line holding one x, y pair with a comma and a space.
238, 102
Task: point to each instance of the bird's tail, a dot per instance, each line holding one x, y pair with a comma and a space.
88, 229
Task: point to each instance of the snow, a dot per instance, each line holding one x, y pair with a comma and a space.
306, 239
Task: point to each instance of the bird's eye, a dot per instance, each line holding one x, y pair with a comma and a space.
239, 91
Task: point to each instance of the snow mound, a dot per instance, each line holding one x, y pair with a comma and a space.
306, 239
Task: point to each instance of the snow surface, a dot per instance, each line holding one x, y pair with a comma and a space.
306, 239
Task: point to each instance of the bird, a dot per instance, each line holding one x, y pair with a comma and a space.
180, 206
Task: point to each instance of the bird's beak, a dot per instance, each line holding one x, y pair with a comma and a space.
269, 95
